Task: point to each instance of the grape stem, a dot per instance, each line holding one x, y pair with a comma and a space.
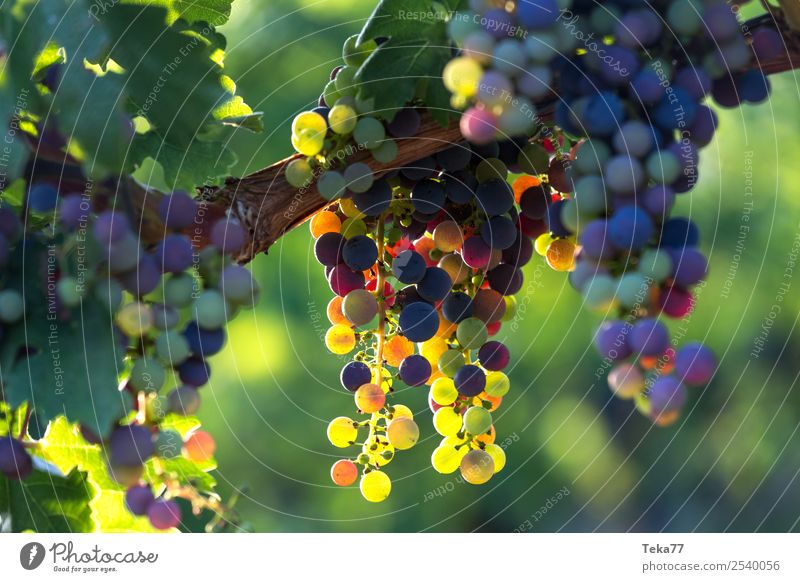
379, 293
26, 422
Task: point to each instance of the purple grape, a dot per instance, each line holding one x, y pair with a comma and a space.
164, 514
405, 123
690, 266
505, 279
612, 340
695, 81
10, 225
409, 267
767, 44
359, 252
228, 235
143, 278
456, 307
73, 211
666, 394
435, 285
415, 370
418, 322
111, 227
695, 364
328, 249
177, 211
705, 124
343, 279
494, 356
204, 342
649, 337
354, 375
184, 400
646, 87
595, 241
469, 380
138, 499
194, 372
130, 445
15, 462
475, 252
630, 228
174, 253
534, 202
658, 201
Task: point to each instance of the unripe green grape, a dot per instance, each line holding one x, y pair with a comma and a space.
386, 152
498, 455
309, 120
168, 444
517, 119
238, 286
178, 290
633, 290
299, 173
210, 264
497, 384
477, 420
353, 54
511, 308
491, 169
375, 486
471, 333
70, 291
599, 293
461, 76
451, 362
109, 293
358, 177
364, 106
655, 264
353, 227
135, 319
663, 167
477, 467
342, 119
403, 433
147, 375
534, 159
330, 93
308, 142
342, 432
370, 132
172, 347
331, 185
184, 400
447, 421
360, 307
12, 307
210, 310
443, 391
344, 80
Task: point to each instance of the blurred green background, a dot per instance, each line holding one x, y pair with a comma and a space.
730, 463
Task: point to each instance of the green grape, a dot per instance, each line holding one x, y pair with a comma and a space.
491, 169
147, 375
633, 290
451, 362
655, 264
342, 432
309, 120
477, 420
599, 293
498, 455
477, 467
497, 384
331, 185
443, 391
353, 227
360, 307
342, 119
446, 459
330, 93
172, 347
401, 411
511, 308
519, 119
210, 264
370, 132
364, 106
375, 486
168, 444
69, 291
135, 319
386, 152
308, 142
354, 54
344, 80
534, 159
403, 433
12, 307
178, 290
358, 177
447, 421
210, 310
109, 293
472, 333
461, 76
299, 173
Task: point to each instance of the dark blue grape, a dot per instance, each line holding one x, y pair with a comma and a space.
144, 278
73, 211
534, 202
409, 267
354, 375
204, 342
679, 232
194, 372
10, 225
454, 158
130, 446
469, 380
374, 201
456, 307
415, 370
520, 253
42, 197
630, 228
405, 123
554, 220
435, 285
538, 15
428, 196
420, 169
494, 197
418, 322
499, 232
15, 462
174, 253
359, 252
138, 499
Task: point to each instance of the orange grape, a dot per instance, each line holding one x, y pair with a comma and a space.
344, 472
324, 221
523, 183
199, 447
561, 255
370, 398
397, 349
334, 310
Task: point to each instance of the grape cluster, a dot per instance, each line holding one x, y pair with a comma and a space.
624, 144
169, 299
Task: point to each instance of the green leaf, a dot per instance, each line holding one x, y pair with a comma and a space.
417, 50
201, 163
48, 503
214, 12
73, 364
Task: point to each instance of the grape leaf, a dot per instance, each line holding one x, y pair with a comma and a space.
416, 50
60, 366
213, 12
48, 503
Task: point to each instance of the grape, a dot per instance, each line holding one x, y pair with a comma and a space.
138, 499
477, 420
446, 421
478, 126
443, 391
370, 398
359, 307
299, 173
447, 236
227, 234
340, 339
164, 316
359, 253
477, 467
73, 212
418, 322
358, 177
354, 375
164, 514
505, 279
461, 76
690, 267
665, 395
174, 253
177, 210
498, 456
168, 444
428, 196
375, 486
111, 227
42, 197
456, 307
210, 310
695, 364
184, 400
237, 285
679, 232
342, 119
493, 356
308, 142
10, 225
355, 54
147, 375
415, 370
403, 433
369, 132
633, 290
194, 372
385, 152
409, 267
342, 280
658, 200
611, 340
625, 380
649, 337
204, 342
497, 384
405, 123
15, 462
676, 302
655, 264
309, 120
469, 380
471, 333
144, 278
450, 362
476, 252
134, 319
599, 294
435, 285
446, 459
344, 472
494, 197
499, 232
328, 249
130, 445
630, 228
199, 447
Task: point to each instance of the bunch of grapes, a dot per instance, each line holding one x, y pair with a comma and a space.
169, 299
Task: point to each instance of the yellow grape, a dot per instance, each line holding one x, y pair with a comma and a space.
443, 391
447, 421
446, 458
135, 319
561, 255
308, 142
447, 236
370, 398
433, 349
376, 457
454, 265
461, 76
497, 384
387, 379
498, 456
344, 472
403, 433
342, 119
348, 208
375, 486
342, 432
542, 242
309, 120
340, 339
402, 411
477, 467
